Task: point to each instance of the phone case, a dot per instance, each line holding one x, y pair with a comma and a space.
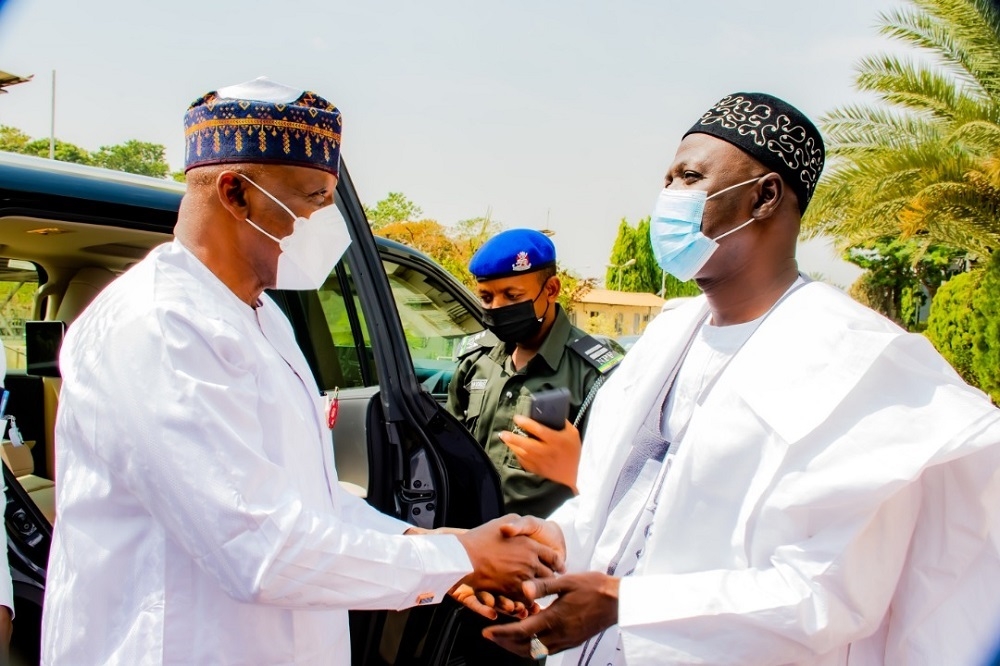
551, 408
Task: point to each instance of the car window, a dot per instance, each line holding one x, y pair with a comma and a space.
434, 322
18, 288
346, 321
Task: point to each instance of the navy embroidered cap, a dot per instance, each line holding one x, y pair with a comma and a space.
773, 132
513, 252
262, 121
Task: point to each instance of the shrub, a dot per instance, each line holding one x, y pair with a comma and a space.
951, 322
986, 330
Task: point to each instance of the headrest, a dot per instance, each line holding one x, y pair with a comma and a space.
87, 283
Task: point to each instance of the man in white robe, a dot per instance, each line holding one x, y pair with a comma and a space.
827, 489
200, 520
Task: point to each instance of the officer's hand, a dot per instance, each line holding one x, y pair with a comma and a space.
487, 604
553, 454
501, 562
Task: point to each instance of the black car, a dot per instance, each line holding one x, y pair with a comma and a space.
382, 330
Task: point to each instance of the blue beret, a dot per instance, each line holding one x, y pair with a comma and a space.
513, 252
263, 122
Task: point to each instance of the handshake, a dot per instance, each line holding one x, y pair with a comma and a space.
515, 560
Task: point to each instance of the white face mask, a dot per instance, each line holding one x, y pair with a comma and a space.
311, 251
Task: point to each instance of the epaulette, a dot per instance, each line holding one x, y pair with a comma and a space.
483, 340
596, 353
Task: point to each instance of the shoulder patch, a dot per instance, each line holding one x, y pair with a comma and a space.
597, 354
483, 340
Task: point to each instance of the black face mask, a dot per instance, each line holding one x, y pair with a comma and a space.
515, 323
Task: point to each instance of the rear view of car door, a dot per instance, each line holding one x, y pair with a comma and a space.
395, 444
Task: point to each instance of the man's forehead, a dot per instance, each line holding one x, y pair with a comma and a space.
525, 281
704, 150
299, 176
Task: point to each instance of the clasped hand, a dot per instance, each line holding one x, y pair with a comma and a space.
505, 553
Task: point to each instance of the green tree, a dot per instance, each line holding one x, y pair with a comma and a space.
951, 324
923, 160
12, 139
394, 208
472, 234
574, 287
901, 275
644, 275
64, 151
986, 330
632, 266
141, 157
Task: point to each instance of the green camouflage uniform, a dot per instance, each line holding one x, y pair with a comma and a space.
486, 392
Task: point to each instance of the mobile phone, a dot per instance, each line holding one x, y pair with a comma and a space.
551, 408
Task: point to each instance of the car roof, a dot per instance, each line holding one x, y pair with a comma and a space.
41, 176
108, 190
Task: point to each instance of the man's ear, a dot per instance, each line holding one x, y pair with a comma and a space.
231, 190
553, 287
771, 191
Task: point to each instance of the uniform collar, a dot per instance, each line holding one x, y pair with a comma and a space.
555, 342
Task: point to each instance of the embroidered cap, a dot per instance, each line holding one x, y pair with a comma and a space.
773, 132
262, 121
513, 252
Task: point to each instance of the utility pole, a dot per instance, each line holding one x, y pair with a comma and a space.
52, 125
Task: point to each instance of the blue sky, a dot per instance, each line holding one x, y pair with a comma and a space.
547, 113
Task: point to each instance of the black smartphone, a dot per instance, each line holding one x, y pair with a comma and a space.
551, 408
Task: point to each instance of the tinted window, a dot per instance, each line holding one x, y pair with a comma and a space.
434, 321
347, 325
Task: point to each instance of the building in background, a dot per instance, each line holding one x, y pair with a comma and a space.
614, 313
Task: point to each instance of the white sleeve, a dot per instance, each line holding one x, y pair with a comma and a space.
355, 510
814, 597
190, 449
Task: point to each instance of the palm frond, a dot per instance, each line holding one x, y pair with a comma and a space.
916, 86
863, 126
925, 31
974, 26
978, 136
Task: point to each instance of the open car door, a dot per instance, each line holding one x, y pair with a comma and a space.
394, 443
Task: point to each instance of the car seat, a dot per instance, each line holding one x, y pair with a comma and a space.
85, 284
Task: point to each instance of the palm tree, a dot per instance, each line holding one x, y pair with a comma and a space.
924, 163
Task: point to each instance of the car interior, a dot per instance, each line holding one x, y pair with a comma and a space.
50, 270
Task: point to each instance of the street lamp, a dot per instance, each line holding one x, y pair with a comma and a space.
619, 268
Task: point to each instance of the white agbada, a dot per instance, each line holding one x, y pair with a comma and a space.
199, 516
833, 499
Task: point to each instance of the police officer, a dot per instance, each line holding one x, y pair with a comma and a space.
536, 348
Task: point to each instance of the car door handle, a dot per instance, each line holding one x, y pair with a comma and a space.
411, 496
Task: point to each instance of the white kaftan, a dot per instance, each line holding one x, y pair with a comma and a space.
832, 500
199, 516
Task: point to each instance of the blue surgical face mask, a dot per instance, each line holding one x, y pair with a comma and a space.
680, 247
